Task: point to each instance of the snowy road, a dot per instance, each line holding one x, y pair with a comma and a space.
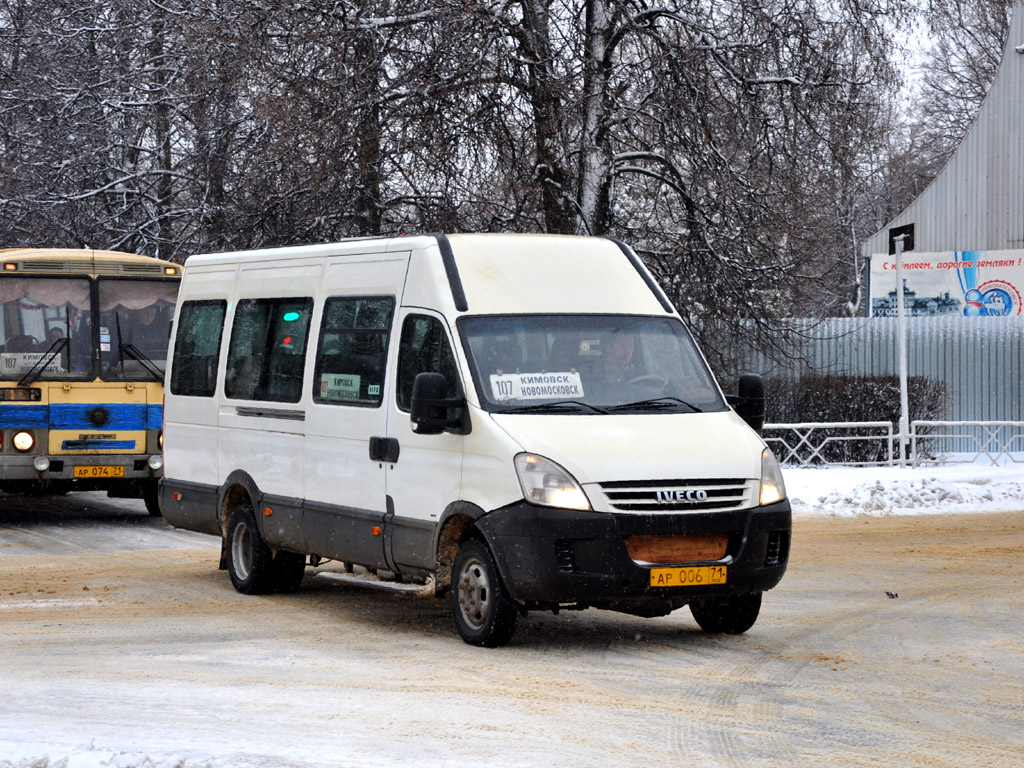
123, 645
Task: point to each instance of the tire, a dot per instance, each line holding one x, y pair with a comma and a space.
250, 560
727, 615
484, 612
151, 495
287, 570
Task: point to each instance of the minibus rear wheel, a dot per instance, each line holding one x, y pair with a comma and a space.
731, 615
485, 613
249, 558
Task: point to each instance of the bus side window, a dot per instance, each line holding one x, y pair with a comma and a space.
267, 351
353, 350
197, 348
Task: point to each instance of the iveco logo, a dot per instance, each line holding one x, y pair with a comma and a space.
668, 497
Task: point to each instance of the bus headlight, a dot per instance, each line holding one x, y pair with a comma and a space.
155, 462
773, 488
41, 463
23, 441
544, 482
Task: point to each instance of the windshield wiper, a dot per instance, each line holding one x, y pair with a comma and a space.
655, 403
135, 354
36, 370
559, 406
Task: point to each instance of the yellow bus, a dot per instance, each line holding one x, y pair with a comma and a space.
83, 346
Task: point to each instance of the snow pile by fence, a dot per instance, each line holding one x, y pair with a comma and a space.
103, 758
881, 491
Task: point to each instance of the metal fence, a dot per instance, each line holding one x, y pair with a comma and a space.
980, 361
930, 442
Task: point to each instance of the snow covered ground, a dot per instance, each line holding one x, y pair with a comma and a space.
878, 491
820, 492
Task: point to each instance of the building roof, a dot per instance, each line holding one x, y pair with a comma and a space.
977, 202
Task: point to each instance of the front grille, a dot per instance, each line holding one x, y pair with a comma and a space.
142, 269
677, 495
86, 267
43, 266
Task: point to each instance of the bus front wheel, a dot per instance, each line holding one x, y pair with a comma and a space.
151, 495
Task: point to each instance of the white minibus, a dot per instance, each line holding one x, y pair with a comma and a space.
517, 422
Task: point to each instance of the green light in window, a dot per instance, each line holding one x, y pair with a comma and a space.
290, 316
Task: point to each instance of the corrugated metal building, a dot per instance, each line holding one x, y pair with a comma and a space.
977, 202
980, 362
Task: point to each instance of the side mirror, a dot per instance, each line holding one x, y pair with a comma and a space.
430, 411
749, 403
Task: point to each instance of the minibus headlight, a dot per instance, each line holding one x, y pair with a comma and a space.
23, 441
773, 488
545, 483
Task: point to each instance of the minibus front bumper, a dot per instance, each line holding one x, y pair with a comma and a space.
549, 557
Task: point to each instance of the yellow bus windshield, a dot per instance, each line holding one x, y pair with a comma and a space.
64, 328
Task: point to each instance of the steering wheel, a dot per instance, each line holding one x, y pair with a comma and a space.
650, 380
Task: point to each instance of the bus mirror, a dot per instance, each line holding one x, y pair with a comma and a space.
431, 412
749, 403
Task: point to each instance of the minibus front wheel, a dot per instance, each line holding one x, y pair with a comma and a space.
485, 613
731, 615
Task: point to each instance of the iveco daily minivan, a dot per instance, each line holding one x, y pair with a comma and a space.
521, 422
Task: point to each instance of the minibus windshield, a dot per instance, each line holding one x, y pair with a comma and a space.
601, 364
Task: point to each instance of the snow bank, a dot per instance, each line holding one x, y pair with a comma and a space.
107, 759
104, 758
881, 491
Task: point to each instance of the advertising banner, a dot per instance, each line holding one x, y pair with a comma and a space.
964, 283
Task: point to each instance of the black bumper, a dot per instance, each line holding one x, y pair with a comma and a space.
554, 556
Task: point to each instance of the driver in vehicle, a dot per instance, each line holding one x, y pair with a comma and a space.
145, 334
617, 358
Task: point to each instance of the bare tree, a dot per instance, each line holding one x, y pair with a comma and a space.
958, 69
736, 144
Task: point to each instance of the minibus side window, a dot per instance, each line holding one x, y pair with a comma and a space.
267, 351
423, 348
197, 348
352, 353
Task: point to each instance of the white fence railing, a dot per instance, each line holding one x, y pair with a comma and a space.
874, 443
1001, 442
831, 442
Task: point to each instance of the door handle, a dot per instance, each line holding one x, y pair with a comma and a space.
384, 449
